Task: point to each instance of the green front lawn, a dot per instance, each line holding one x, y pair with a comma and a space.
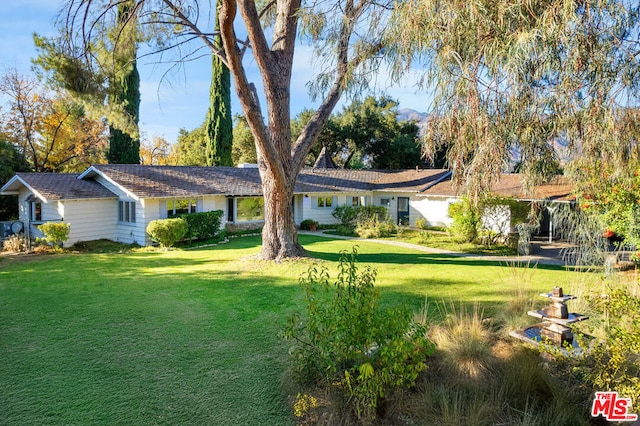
190, 336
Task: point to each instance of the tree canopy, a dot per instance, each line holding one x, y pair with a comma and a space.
50, 131
367, 134
518, 75
101, 76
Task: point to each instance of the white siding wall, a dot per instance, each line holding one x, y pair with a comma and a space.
308, 207
298, 208
90, 219
416, 209
498, 219
51, 211
434, 209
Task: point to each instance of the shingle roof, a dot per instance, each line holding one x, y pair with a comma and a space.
192, 181
182, 181
324, 160
511, 185
64, 186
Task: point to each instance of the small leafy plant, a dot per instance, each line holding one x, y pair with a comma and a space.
347, 343
55, 233
167, 232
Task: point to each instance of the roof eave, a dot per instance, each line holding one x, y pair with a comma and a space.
4, 190
92, 171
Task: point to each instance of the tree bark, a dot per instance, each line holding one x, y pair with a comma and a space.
280, 161
279, 235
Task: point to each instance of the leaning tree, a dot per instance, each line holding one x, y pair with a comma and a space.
347, 35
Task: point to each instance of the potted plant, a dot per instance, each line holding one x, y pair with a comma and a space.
309, 225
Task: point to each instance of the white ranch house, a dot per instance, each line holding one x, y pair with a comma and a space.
117, 202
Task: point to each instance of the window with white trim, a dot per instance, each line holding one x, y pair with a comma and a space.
355, 201
324, 202
249, 209
385, 202
35, 211
127, 211
179, 206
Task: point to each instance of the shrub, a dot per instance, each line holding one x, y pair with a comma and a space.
203, 225
347, 215
15, 244
614, 363
308, 225
167, 232
349, 344
375, 228
350, 215
346, 231
466, 220
421, 223
55, 233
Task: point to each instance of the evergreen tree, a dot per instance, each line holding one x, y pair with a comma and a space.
123, 147
219, 123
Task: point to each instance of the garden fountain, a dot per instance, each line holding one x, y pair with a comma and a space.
555, 320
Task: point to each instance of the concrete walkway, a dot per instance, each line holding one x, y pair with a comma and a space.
543, 252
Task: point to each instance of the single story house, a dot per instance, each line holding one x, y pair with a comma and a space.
117, 202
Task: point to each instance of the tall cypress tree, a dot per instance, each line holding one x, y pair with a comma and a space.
125, 91
219, 123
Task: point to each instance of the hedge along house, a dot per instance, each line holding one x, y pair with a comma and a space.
117, 202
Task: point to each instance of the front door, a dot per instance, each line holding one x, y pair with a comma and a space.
403, 211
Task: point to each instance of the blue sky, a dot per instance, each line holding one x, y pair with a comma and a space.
180, 100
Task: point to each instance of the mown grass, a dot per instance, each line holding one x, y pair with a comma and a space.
189, 336
443, 240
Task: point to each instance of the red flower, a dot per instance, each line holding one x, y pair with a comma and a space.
608, 233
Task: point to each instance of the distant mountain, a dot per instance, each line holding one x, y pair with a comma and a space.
421, 118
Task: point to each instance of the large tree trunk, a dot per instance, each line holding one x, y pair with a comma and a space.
280, 161
279, 235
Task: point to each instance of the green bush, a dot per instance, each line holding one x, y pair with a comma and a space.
308, 224
421, 223
375, 228
347, 343
55, 233
347, 215
167, 232
203, 225
351, 215
347, 231
466, 221
613, 363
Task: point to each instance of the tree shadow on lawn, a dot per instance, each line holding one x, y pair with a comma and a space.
423, 259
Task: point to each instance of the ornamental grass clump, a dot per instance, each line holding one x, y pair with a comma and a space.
350, 346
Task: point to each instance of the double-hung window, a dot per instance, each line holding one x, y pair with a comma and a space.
325, 202
179, 206
127, 211
35, 212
